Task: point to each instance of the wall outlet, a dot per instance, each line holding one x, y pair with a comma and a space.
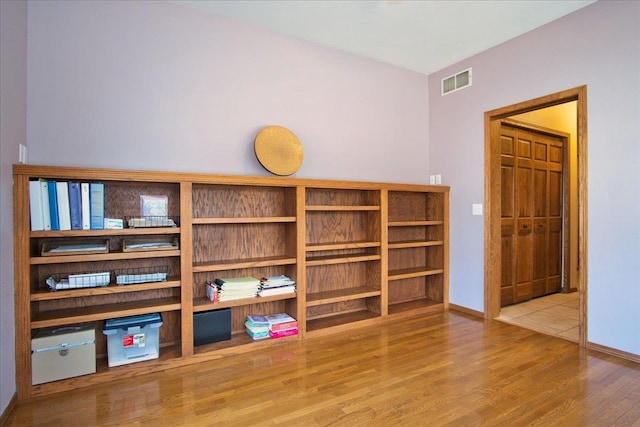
432, 179
476, 209
438, 179
22, 154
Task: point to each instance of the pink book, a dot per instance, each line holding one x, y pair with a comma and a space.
283, 333
283, 326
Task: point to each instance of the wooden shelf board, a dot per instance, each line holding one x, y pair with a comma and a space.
235, 264
339, 320
168, 357
340, 295
107, 290
340, 259
327, 208
337, 246
414, 223
408, 273
111, 256
102, 312
415, 244
248, 220
203, 304
240, 343
109, 232
419, 306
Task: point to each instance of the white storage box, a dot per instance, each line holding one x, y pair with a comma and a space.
133, 339
63, 353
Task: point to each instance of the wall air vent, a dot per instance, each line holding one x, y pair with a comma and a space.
456, 82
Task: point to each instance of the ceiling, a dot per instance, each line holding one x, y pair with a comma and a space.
420, 35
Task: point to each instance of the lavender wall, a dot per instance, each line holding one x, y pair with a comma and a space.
13, 131
598, 46
153, 85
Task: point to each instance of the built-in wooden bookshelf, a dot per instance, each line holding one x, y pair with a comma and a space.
359, 253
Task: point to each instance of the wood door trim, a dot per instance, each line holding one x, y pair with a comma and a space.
492, 195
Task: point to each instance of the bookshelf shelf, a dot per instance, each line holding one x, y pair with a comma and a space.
338, 246
407, 273
339, 295
112, 256
243, 264
203, 304
101, 312
107, 290
360, 253
100, 233
253, 220
340, 259
339, 321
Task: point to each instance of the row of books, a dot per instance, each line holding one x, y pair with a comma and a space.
229, 289
276, 285
62, 205
271, 326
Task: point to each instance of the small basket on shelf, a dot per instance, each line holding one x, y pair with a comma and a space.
132, 276
64, 281
151, 221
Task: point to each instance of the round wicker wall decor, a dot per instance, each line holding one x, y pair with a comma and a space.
278, 150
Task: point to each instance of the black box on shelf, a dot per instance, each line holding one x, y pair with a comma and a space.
211, 326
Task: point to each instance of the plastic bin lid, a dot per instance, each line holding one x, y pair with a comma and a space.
126, 322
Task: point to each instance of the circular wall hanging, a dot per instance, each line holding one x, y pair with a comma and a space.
278, 150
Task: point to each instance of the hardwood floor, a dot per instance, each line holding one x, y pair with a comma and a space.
442, 369
556, 314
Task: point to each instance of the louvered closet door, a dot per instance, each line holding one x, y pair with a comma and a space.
531, 214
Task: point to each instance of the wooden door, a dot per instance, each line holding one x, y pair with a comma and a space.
531, 213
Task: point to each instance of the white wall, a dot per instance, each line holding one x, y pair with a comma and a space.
154, 85
13, 131
597, 46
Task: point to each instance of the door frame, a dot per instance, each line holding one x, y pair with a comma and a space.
492, 193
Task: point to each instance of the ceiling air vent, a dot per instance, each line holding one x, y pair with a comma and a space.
456, 81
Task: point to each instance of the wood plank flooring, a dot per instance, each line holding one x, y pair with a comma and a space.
436, 370
556, 314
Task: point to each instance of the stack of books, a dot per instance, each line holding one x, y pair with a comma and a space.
271, 326
282, 325
276, 285
257, 327
235, 288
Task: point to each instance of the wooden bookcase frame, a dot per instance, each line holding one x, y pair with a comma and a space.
360, 253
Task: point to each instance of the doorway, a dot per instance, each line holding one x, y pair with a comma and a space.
493, 267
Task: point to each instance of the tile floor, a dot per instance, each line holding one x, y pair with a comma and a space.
556, 314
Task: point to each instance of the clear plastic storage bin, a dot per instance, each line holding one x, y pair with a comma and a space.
133, 339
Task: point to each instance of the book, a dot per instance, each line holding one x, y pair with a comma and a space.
277, 291
283, 333
64, 214
238, 283
276, 281
96, 205
255, 329
53, 205
212, 292
36, 211
257, 335
75, 205
257, 321
281, 322
44, 194
86, 213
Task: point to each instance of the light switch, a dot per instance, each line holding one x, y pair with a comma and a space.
432, 179
22, 154
438, 179
476, 209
